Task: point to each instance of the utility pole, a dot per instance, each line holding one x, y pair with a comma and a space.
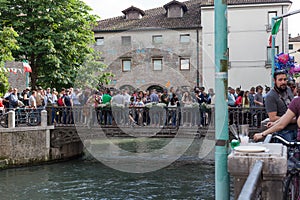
222, 191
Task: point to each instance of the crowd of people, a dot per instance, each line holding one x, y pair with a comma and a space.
40, 98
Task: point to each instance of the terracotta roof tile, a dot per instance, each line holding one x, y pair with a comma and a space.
156, 17
295, 39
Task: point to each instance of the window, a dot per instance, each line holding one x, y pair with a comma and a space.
126, 40
157, 39
157, 64
291, 46
100, 41
184, 64
185, 38
269, 54
126, 65
271, 14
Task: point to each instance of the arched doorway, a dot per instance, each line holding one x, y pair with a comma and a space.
129, 87
157, 87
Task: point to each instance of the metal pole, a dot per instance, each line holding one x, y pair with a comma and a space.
273, 38
273, 52
222, 191
27, 79
198, 61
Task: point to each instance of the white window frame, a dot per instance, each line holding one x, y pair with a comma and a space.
185, 38
184, 63
157, 39
157, 64
126, 64
271, 14
99, 41
269, 54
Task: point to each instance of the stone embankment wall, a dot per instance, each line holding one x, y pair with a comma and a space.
24, 145
32, 145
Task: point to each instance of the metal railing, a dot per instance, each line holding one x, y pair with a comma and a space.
20, 116
252, 189
154, 116
151, 116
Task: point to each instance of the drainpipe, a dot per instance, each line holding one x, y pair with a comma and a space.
198, 62
222, 191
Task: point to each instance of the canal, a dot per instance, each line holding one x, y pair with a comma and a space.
86, 179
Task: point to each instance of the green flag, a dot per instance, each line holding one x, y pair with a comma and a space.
276, 26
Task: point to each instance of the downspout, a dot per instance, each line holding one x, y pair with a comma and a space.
198, 61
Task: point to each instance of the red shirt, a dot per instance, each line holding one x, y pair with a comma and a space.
1, 103
239, 101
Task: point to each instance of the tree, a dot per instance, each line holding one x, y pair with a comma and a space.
55, 36
8, 43
91, 74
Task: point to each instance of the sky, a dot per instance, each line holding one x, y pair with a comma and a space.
113, 8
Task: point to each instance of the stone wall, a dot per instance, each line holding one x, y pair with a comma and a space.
17, 77
141, 52
32, 145
25, 145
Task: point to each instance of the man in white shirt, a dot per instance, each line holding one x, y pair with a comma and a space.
32, 100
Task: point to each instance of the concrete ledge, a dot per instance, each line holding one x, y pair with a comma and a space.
274, 169
25, 128
3, 163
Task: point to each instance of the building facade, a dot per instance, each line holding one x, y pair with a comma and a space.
157, 48
249, 29
173, 45
294, 48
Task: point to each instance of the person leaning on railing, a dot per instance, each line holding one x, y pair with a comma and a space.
1, 105
32, 100
291, 114
277, 102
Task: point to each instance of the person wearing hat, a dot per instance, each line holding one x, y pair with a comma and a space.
39, 98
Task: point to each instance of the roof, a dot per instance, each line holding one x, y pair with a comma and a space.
157, 18
242, 2
133, 8
295, 39
166, 6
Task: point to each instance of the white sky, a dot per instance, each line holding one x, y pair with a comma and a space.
113, 8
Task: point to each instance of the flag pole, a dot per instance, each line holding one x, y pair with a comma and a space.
273, 52
27, 79
273, 38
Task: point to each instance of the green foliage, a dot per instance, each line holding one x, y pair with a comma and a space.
91, 74
55, 36
8, 43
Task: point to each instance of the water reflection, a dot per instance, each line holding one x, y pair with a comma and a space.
91, 180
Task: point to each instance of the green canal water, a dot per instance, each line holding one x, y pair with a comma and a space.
91, 180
